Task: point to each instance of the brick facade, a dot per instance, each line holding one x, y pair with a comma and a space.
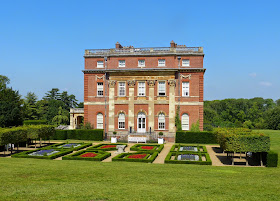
150, 105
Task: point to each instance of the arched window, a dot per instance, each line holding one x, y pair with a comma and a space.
100, 121
185, 122
161, 121
121, 121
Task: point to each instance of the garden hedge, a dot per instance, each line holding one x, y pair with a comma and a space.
200, 162
240, 140
34, 122
53, 156
98, 147
149, 158
272, 159
56, 146
157, 148
204, 137
177, 146
101, 155
79, 134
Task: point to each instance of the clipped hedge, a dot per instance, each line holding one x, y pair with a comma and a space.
57, 146
157, 147
149, 158
272, 159
203, 137
34, 122
200, 162
98, 147
53, 156
176, 147
79, 134
101, 155
242, 140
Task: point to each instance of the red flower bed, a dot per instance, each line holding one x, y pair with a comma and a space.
140, 156
91, 155
108, 146
147, 147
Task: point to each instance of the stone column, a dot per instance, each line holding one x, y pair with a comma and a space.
111, 114
131, 85
172, 114
151, 105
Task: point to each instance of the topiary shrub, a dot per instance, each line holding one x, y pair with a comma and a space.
272, 159
203, 137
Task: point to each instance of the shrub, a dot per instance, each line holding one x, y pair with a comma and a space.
149, 158
57, 146
138, 147
177, 146
60, 135
79, 134
34, 122
98, 147
169, 159
272, 159
53, 156
195, 137
101, 155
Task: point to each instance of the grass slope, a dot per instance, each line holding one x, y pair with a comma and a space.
33, 179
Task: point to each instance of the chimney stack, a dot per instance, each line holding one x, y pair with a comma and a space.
173, 44
118, 45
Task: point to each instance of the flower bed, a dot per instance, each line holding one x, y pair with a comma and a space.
42, 153
94, 155
188, 158
147, 147
72, 146
105, 147
188, 148
144, 157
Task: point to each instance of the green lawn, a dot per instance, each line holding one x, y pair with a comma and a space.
35, 179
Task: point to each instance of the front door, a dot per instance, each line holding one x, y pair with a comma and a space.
141, 122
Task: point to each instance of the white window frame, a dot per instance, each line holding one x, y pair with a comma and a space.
121, 63
100, 88
161, 121
159, 91
185, 89
185, 122
99, 121
121, 121
185, 62
161, 62
123, 86
100, 64
141, 89
141, 63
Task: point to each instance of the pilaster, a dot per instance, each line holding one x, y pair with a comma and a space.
151, 105
111, 105
172, 84
131, 85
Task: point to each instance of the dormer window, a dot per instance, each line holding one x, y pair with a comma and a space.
161, 62
100, 64
121, 63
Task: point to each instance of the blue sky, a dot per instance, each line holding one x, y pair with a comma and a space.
42, 42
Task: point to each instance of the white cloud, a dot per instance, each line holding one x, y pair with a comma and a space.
266, 84
253, 74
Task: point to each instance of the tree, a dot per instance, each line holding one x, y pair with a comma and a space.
4, 80
272, 118
30, 107
52, 95
61, 117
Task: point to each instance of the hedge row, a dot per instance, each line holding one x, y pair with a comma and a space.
57, 146
79, 134
272, 159
101, 155
98, 147
204, 137
19, 134
149, 158
200, 162
177, 146
157, 148
34, 122
242, 140
53, 156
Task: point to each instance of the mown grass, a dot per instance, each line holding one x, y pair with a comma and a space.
35, 179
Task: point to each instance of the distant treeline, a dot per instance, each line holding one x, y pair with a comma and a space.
252, 113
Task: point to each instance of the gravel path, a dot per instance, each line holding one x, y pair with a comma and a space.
160, 158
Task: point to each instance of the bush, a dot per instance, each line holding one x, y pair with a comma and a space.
204, 137
98, 147
177, 146
149, 158
272, 159
101, 155
157, 148
169, 159
60, 135
79, 134
34, 122
57, 146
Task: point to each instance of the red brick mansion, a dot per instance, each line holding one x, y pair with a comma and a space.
138, 90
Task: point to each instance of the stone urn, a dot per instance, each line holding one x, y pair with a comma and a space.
160, 138
114, 138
